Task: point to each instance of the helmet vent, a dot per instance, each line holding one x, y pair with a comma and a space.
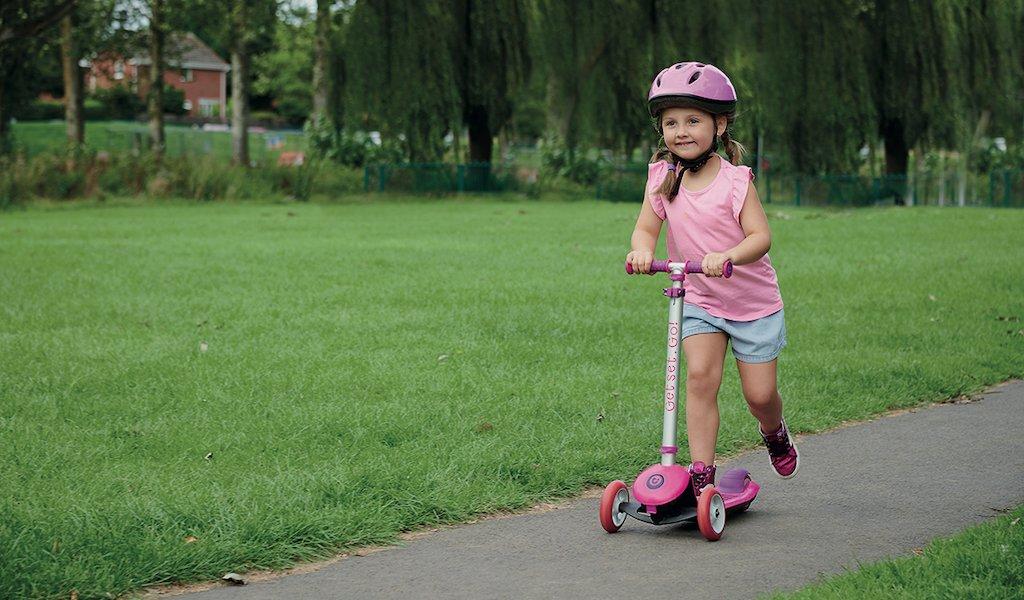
700, 65
659, 82
694, 77
679, 66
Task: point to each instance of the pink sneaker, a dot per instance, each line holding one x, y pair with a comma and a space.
701, 476
784, 457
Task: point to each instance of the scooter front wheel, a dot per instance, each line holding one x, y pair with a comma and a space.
711, 514
614, 496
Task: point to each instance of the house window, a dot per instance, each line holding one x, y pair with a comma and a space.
187, 76
119, 69
209, 107
187, 105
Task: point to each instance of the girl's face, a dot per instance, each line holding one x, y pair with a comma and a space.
688, 131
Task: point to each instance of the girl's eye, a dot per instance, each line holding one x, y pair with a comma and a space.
694, 121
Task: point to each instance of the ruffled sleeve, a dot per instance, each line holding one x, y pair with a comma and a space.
741, 178
656, 173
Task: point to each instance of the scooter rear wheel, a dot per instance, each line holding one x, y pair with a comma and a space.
711, 514
614, 496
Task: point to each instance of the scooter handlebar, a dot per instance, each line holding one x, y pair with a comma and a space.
690, 266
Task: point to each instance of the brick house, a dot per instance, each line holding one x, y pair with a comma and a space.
191, 66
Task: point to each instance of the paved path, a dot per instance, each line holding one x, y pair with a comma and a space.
863, 493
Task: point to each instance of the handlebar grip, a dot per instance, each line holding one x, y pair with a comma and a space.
658, 266
693, 266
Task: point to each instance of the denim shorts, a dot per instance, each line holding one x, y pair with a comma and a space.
757, 341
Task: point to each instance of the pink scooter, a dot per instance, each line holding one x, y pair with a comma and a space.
662, 494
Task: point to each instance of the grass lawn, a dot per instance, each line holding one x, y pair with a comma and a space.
37, 137
986, 561
281, 382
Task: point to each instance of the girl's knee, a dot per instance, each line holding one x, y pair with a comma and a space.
703, 379
761, 397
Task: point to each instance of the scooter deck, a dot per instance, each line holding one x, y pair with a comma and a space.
684, 510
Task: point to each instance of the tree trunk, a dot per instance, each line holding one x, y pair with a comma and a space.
73, 101
240, 85
481, 142
321, 51
156, 77
5, 140
896, 150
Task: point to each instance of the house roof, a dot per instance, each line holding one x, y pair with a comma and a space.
186, 51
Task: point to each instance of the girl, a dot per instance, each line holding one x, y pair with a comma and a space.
713, 212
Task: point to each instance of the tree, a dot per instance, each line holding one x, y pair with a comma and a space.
321, 61
493, 62
811, 73
240, 83
74, 103
282, 75
155, 98
403, 79
21, 24
916, 70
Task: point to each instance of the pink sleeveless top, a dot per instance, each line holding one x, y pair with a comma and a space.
708, 220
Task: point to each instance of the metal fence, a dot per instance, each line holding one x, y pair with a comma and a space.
440, 178
999, 188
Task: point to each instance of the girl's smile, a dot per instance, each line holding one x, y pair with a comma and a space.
688, 132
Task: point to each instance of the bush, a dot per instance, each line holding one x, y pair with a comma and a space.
174, 101
572, 165
120, 102
353, 149
41, 110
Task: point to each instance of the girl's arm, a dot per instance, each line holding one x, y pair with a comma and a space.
756, 243
645, 238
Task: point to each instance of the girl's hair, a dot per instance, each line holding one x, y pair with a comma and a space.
734, 149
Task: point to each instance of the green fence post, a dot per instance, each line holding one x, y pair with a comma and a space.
1006, 187
380, 177
366, 178
460, 178
798, 190
992, 188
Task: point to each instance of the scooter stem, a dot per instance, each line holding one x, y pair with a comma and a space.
672, 370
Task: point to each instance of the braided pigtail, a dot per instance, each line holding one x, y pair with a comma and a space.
734, 149
668, 186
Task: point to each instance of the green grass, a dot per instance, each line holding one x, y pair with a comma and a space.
38, 137
986, 561
376, 367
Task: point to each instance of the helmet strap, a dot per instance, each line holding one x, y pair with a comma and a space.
699, 162
693, 166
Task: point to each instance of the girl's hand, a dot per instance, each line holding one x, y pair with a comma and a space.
713, 264
641, 260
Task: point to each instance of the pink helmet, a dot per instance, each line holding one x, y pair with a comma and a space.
692, 84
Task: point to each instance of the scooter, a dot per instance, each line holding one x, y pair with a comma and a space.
662, 494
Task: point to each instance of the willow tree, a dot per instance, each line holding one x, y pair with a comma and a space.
493, 62
574, 36
401, 73
993, 57
810, 80
421, 69
914, 59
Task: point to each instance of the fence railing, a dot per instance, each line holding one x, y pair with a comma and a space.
997, 188
440, 178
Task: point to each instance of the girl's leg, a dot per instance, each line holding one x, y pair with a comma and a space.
705, 358
760, 388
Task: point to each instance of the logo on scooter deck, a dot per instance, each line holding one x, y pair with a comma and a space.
655, 481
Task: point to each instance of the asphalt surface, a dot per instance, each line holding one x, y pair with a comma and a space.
863, 493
